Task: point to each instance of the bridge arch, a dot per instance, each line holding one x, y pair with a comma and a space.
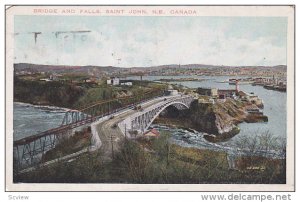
178, 105
142, 120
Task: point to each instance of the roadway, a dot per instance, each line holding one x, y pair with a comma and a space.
110, 134
110, 137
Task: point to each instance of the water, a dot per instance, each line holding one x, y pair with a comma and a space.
189, 138
274, 108
31, 119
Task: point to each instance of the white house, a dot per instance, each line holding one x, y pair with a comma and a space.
115, 81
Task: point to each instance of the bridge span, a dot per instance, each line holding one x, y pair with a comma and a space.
111, 122
141, 120
108, 133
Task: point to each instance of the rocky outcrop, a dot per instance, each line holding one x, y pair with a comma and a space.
216, 118
221, 118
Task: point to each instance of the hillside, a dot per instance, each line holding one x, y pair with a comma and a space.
64, 68
112, 69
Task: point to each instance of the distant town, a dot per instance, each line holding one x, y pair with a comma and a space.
271, 77
163, 70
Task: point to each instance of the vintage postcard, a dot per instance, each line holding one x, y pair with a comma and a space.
150, 98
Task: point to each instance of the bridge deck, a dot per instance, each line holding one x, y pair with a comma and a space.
141, 120
111, 136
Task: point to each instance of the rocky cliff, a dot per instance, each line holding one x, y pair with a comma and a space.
217, 118
221, 119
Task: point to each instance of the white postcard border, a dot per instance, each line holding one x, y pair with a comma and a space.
287, 11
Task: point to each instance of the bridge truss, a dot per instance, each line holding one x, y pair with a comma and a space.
141, 121
29, 151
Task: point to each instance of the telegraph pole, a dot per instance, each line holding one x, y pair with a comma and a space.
112, 147
125, 132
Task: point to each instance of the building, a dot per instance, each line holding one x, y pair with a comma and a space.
254, 99
208, 91
206, 101
53, 77
211, 101
251, 98
243, 96
223, 94
204, 91
45, 80
113, 81
126, 83
214, 92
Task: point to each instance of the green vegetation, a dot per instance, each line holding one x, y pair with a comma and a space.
74, 77
158, 161
69, 145
72, 92
95, 94
46, 93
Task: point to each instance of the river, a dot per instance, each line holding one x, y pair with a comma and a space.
29, 119
274, 108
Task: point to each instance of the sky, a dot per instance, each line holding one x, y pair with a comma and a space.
150, 41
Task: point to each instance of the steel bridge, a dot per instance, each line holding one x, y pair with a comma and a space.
29, 151
141, 120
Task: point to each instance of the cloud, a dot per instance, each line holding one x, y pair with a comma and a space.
164, 42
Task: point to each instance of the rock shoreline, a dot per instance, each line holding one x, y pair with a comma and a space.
219, 120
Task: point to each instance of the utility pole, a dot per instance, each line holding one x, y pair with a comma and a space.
112, 147
108, 107
125, 132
